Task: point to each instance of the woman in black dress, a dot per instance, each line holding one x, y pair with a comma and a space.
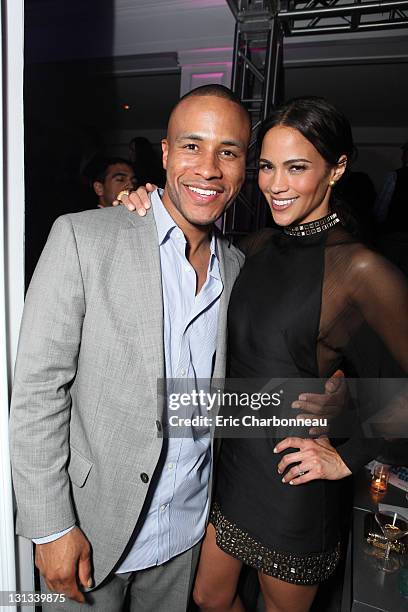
305, 292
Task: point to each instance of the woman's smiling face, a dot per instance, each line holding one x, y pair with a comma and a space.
294, 177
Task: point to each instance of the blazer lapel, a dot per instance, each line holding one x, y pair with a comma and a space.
144, 273
140, 238
229, 269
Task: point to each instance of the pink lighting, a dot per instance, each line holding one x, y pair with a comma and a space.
208, 75
228, 64
207, 3
210, 49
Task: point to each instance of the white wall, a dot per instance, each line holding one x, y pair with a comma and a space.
11, 278
126, 27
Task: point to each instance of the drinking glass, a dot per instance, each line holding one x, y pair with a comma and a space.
379, 478
393, 527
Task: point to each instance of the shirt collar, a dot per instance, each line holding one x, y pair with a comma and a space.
164, 221
165, 225
214, 267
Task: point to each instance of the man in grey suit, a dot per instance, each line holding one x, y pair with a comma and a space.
117, 302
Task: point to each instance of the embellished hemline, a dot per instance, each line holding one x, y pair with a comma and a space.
309, 569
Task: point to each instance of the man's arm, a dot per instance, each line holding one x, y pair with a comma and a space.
65, 562
53, 536
40, 411
41, 403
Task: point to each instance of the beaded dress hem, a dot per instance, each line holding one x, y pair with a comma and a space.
308, 569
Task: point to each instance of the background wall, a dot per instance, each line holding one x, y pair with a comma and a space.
101, 72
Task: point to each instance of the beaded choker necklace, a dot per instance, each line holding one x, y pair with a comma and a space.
313, 227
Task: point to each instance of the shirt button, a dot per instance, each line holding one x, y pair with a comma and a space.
170, 466
163, 507
144, 477
183, 372
158, 426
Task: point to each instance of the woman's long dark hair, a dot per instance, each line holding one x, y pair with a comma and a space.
327, 129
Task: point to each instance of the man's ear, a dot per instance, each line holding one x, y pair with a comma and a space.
165, 152
98, 188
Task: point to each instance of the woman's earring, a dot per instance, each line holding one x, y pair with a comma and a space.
332, 183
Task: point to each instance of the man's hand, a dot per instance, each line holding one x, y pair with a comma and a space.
325, 406
136, 200
315, 459
65, 563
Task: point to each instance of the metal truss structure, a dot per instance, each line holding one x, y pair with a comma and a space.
257, 80
336, 16
257, 77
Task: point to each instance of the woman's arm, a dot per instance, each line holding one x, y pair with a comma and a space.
380, 292
136, 200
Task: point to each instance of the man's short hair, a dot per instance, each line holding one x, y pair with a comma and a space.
97, 168
219, 91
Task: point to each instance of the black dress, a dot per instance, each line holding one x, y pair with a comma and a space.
297, 311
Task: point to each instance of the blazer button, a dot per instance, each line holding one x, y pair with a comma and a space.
144, 477
158, 426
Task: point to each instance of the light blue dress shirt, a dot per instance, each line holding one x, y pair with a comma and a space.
176, 517
175, 520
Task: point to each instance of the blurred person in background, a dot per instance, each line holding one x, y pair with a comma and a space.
147, 161
108, 176
390, 207
391, 212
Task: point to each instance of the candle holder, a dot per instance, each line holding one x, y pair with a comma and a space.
379, 478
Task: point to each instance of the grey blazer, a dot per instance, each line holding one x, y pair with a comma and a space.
85, 413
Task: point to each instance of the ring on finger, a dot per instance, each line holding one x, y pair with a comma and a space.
122, 193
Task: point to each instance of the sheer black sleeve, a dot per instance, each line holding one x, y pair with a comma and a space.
380, 294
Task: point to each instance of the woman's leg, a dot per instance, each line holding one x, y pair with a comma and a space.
215, 588
280, 596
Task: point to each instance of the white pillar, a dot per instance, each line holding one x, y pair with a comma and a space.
205, 66
7, 557
11, 278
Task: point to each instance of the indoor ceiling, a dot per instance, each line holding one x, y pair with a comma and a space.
370, 92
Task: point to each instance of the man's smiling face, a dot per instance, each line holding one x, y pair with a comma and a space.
204, 156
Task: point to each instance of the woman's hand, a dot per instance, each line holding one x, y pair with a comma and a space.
136, 200
315, 459
327, 405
